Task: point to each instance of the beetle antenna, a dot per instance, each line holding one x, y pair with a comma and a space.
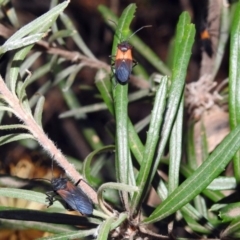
138, 31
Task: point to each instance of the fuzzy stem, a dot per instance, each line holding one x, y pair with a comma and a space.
43, 140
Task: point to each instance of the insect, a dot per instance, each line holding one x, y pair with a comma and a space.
206, 40
75, 198
72, 195
124, 63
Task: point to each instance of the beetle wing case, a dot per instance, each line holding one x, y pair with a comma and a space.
123, 70
123, 62
72, 195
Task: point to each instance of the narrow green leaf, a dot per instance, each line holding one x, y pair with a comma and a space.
7, 109
11, 14
121, 218
86, 171
41, 24
175, 151
104, 86
41, 91
176, 89
41, 226
19, 43
72, 102
201, 178
76, 37
234, 82
15, 66
27, 195
195, 226
184, 19
199, 201
142, 123
123, 26
204, 142
116, 186
223, 183
83, 110
225, 23
188, 210
72, 77
71, 235
121, 106
151, 143
215, 195
104, 229
29, 61
24, 100
22, 90
14, 137
61, 34
41, 71
231, 230
39, 110
191, 152
60, 76
230, 212
13, 126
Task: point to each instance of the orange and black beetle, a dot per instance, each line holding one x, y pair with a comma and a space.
124, 63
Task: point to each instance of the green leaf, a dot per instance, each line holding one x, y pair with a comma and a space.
234, 82
60, 76
86, 171
230, 212
19, 43
104, 86
201, 178
14, 137
175, 151
191, 152
7, 109
123, 26
15, 66
76, 37
39, 25
41, 91
11, 13
223, 183
232, 230
177, 87
41, 71
151, 143
24, 101
39, 110
71, 235
121, 107
22, 89
104, 229
29, 61
112, 185
27, 195
61, 34
13, 126
83, 110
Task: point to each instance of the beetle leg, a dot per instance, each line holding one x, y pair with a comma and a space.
50, 198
